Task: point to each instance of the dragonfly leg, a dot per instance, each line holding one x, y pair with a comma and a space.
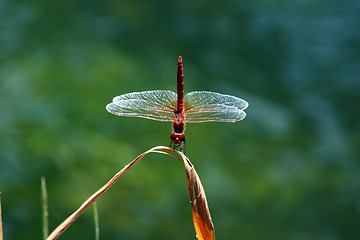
172, 145
175, 146
182, 148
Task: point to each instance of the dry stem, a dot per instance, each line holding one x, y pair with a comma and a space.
201, 215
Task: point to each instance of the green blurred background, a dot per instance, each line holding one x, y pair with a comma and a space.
289, 170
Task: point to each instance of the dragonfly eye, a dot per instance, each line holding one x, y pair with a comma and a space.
173, 136
181, 137
177, 138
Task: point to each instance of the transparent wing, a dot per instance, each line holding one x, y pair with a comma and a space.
203, 106
158, 105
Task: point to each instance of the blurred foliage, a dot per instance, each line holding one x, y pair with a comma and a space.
290, 170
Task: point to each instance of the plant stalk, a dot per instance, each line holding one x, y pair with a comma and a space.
45, 211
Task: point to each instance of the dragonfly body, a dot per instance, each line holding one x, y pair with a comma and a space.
164, 105
178, 136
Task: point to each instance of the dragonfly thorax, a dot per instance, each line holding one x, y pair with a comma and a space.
178, 123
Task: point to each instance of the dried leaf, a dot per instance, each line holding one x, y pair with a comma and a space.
203, 224
201, 215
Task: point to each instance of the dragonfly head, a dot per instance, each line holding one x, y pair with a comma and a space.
177, 138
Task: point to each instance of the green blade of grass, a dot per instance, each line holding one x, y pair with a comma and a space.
45, 212
96, 222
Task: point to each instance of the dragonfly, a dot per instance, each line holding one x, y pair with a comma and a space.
168, 106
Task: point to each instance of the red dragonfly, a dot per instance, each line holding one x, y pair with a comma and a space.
167, 106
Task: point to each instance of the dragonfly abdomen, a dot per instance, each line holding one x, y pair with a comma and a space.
180, 86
